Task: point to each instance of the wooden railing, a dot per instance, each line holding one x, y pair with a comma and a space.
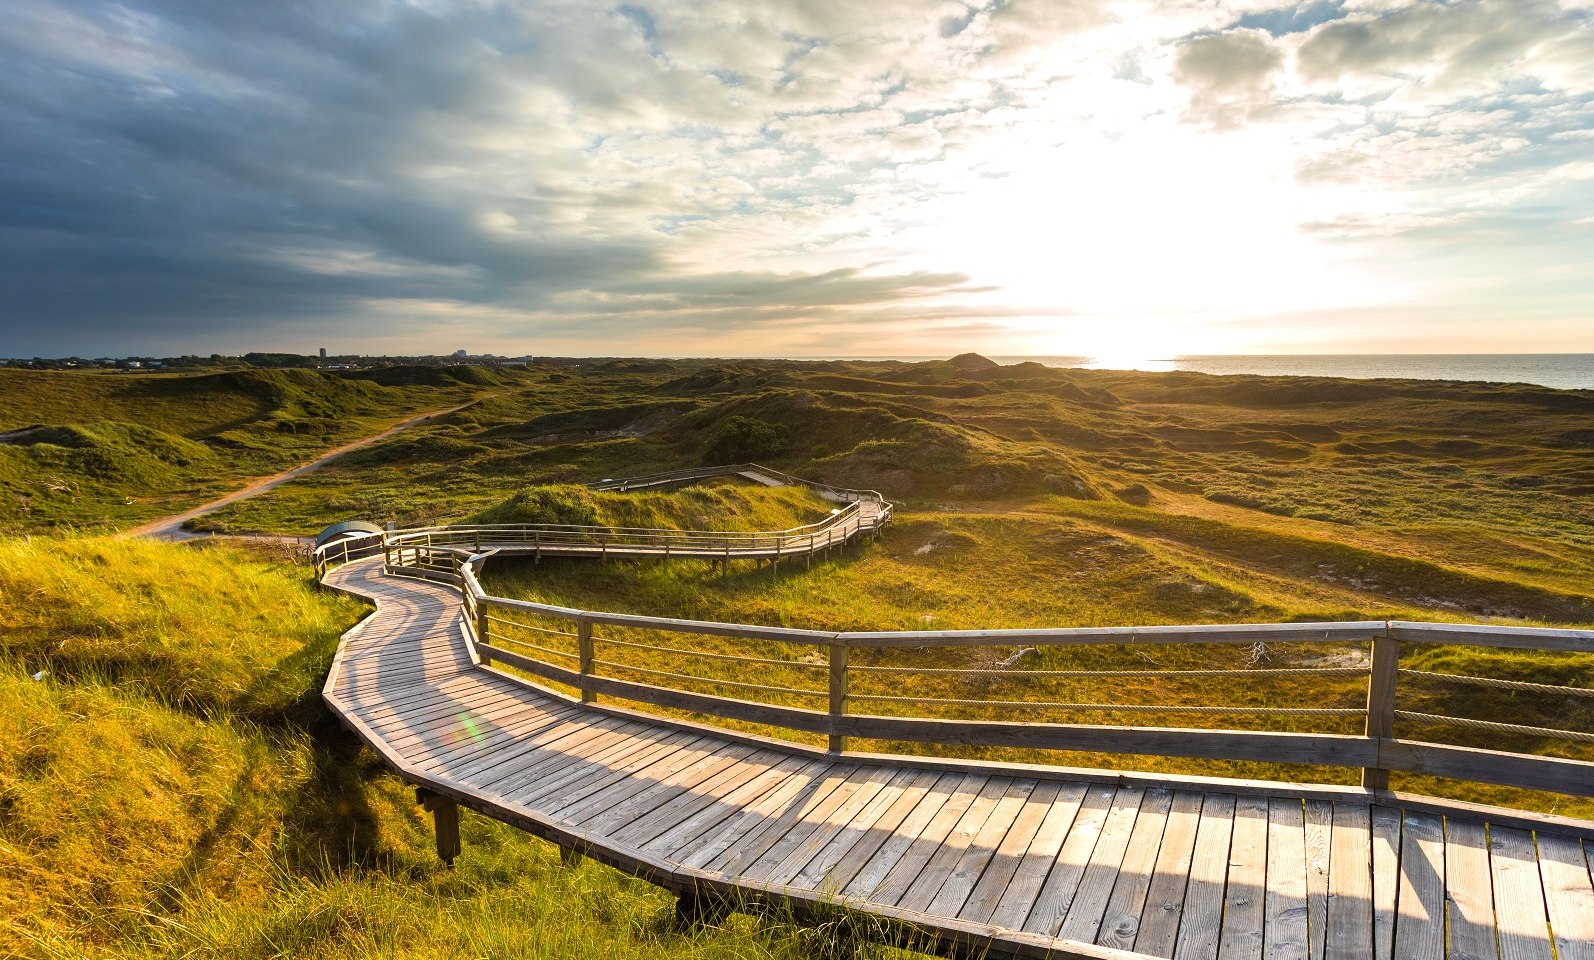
849, 684
825, 490
575, 657
864, 512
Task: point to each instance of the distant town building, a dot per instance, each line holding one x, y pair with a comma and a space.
323, 353
460, 354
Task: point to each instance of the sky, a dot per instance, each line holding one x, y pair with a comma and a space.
852, 178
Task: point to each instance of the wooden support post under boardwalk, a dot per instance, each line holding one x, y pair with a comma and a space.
1381, 703
445, 822
695, 910
838, 694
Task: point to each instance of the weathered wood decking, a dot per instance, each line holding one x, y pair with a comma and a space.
1022, 860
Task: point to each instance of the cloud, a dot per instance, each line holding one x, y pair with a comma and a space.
185, 176
1459, 48
1229, 75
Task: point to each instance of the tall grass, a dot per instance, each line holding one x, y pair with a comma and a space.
171, 786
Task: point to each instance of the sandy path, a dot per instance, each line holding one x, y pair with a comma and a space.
171, 528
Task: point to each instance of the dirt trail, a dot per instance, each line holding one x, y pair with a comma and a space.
171, 528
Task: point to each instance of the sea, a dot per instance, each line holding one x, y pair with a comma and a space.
1564, 371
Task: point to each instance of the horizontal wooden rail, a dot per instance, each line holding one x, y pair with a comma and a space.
456, 554
1373, 752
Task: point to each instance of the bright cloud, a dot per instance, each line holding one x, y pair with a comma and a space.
724, 177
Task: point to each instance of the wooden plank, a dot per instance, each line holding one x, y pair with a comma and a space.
375, 678
1518, 896
561, 744
493, 772
423, 694
785, 834
1202, 921
612, 801
372, 689
809, 865
569, 758
1469, 890
1319, 828
999, 873
959, 875
1159, 920
1245, 893
525, 736
584, 771
475, 715
497, 741
1555, 774
793, 851
620, 807
1120, 919
1569, 895
662, 759
1073, 812
792, 793
1284, 934
1419, 902
1093, 860
713, 811
1108, 863
1488, 635
1386, 873
950, 827
462, 729
725, 790
955, 793
1350, 884
849, 852
822, 798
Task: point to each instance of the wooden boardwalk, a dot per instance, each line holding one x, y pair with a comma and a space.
1015, 860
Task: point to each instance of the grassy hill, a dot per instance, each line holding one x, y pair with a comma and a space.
1495, 482
245, 823
93, 449
170, 785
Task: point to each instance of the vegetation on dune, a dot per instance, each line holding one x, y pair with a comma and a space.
171, 785
175, 750
746, 440
710, 506
94, 449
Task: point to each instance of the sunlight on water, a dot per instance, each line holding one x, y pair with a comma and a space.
1130, 362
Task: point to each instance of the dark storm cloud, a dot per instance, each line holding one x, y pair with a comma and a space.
707, 174
176, 171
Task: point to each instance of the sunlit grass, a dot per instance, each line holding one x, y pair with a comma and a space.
172, 786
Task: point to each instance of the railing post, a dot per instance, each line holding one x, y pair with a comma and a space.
584, 649
838, 694
1381, 702
483, 625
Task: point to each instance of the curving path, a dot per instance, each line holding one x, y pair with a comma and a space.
172, 527
991, 860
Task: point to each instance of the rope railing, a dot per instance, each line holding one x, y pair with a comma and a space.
1119, 707
455, 555
683, 690
723, 657
1017, 674
713, 681
1498, 684
1552, 733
